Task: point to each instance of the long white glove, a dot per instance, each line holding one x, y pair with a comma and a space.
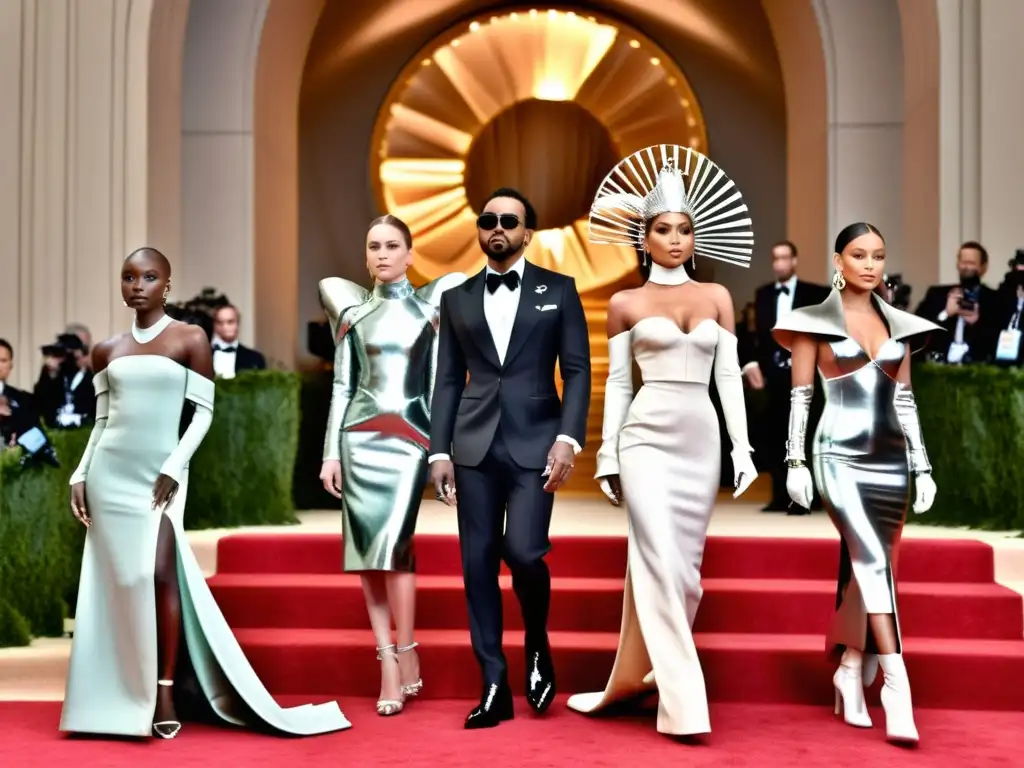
101, 386
618, 395
199, 390
729, 381
917, 457
799, 483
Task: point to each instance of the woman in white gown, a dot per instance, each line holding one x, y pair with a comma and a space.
661, 451
140, 584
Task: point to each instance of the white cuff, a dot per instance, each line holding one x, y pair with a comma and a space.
200, 391
566, 439
749, 366
438, 457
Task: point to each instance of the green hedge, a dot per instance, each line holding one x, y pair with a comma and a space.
973, 423
241, 475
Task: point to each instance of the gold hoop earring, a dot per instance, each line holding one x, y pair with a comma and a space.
838, 281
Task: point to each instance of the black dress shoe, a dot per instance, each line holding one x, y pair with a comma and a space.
495, 706
540, 679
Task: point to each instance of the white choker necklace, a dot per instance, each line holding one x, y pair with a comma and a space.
662, 276
146, 335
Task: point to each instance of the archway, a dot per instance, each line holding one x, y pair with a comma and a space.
825, 83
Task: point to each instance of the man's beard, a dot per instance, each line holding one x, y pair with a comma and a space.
499, 250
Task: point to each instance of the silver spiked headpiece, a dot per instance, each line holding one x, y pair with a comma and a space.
653, 181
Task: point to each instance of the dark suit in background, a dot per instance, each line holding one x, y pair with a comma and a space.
24, 414
980, 337
498, 429
774, 362
233, 358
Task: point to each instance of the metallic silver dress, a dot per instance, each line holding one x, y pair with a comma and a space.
860, 461
379, 422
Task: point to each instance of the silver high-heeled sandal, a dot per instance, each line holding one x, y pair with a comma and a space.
166, 729
413, 688
387, 707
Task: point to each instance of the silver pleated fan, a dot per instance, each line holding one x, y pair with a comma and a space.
668, 178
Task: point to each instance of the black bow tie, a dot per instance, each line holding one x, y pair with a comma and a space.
511, 279
782, 289
224, 348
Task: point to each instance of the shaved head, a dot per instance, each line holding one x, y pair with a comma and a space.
154, 254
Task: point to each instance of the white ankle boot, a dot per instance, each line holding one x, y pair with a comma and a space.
850, 690
899, 711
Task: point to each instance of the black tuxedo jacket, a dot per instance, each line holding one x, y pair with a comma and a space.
24, 414
247, 359
762, 347
549, 326
980, 337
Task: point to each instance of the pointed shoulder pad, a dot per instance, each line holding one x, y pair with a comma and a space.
338, 294
431, 292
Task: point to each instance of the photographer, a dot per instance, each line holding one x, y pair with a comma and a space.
17, 410
64, 391
968, 311
1009, 350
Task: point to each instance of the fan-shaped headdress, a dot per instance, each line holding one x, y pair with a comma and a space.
651, 182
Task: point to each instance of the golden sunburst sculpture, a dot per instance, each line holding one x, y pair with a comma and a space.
544, 100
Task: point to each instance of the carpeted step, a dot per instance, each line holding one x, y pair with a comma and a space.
783, 606
792, 669
921, 560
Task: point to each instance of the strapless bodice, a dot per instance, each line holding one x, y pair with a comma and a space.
666, 353
147, 394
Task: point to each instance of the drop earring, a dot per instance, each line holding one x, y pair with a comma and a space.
124, 302
838, 281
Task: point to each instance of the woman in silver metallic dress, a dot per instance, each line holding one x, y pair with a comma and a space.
378, 431
867, 446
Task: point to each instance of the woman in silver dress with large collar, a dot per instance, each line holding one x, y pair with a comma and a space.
378, 432
867, 446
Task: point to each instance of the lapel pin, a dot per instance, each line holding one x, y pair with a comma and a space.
541, 288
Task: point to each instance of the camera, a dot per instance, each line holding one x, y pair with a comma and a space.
899, 292
970, 286
37, 448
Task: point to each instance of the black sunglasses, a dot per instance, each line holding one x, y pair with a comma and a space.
489, 221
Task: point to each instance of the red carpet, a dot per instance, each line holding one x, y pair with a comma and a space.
759, 631
430, 735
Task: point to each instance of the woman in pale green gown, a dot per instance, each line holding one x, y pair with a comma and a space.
140, 584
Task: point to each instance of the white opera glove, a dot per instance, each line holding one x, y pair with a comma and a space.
618, 395
917, 457
799, 483
102, 389
199, 390
729, 381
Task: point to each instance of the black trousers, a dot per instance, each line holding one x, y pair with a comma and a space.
503, 513
779, 383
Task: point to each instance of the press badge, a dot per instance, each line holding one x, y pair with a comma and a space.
1008, 346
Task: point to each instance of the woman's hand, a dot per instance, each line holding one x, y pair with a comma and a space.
330, 476
612, 488
164, 490
800, 486
925, 490
78, 504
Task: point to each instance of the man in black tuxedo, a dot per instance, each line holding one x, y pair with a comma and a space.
766, 364
18, 413
969, 311
513, 443
230, 357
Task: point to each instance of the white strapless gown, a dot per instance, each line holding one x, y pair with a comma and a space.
669, 467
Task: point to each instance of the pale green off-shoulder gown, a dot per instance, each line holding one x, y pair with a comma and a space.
112, 679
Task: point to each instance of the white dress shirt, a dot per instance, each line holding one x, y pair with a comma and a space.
223, 361
500, 310
784, 300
